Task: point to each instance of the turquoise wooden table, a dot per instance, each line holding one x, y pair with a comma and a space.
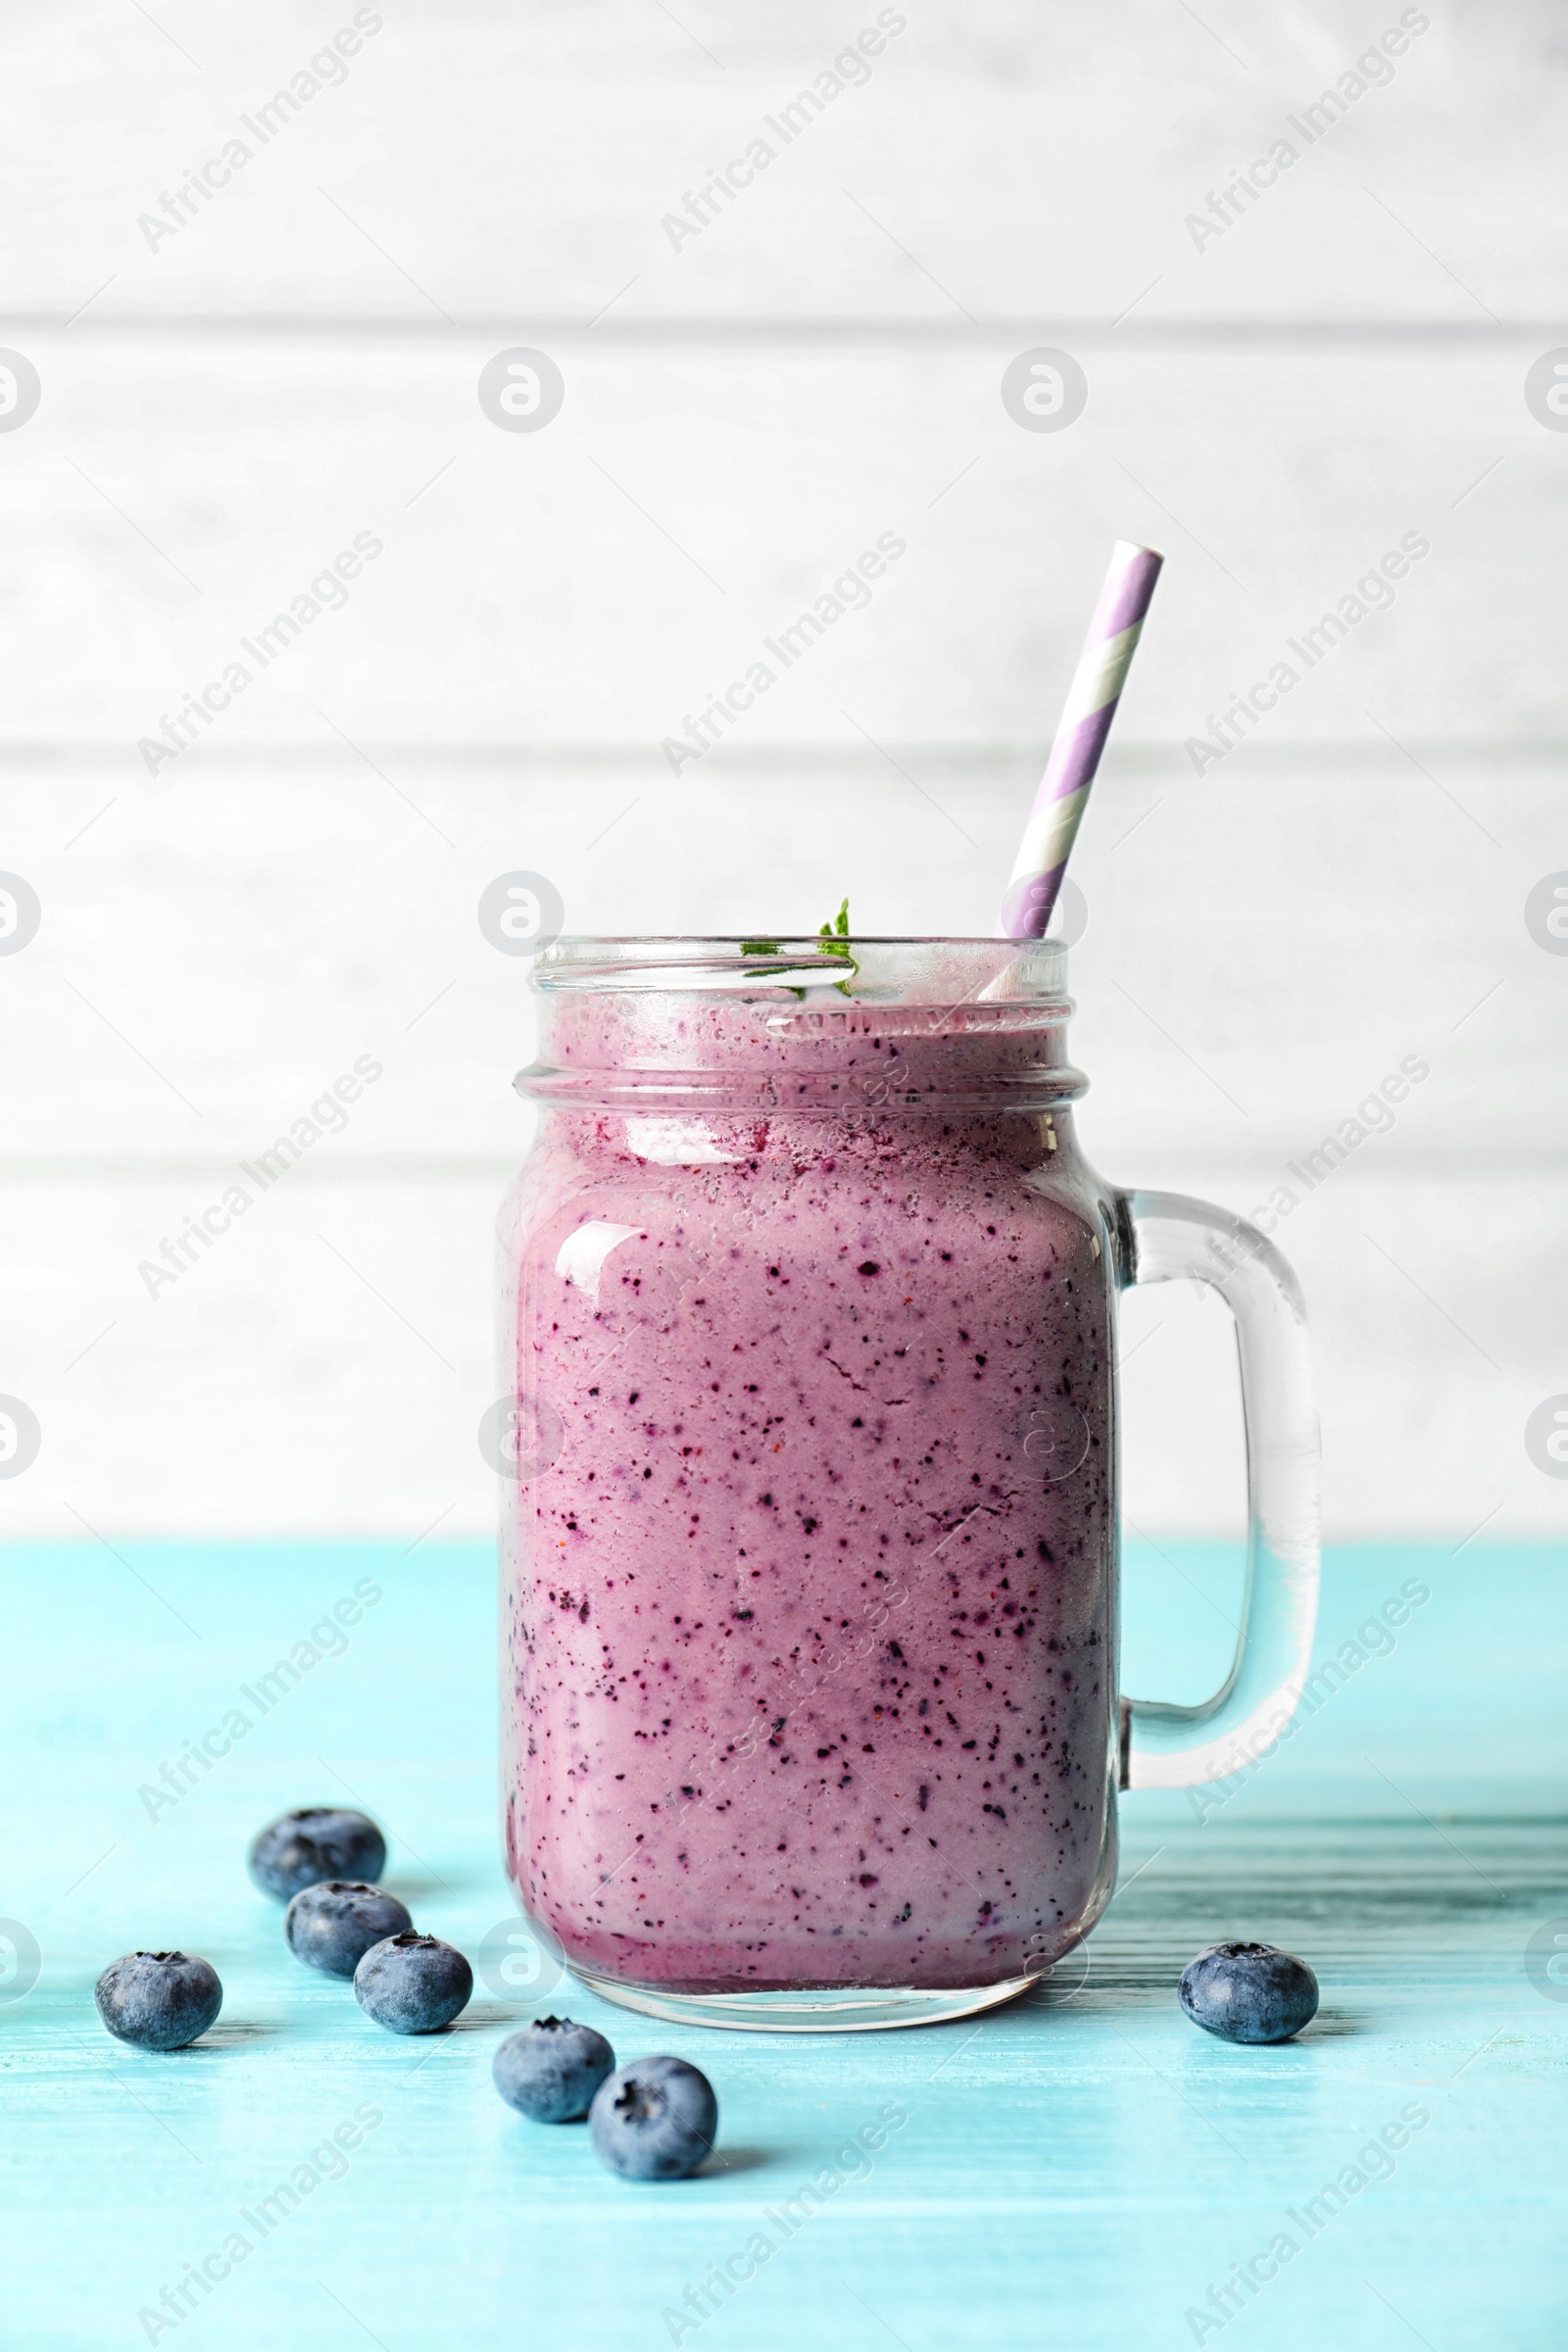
1082, 2170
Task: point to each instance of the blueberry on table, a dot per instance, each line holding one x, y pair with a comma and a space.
157, 2000
550, 2070
653, 2120
1249, 1992
413, 1983
311, 1843
332, 1924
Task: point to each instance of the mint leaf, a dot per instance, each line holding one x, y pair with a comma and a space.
835, 938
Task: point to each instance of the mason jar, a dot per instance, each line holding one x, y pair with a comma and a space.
809, 1690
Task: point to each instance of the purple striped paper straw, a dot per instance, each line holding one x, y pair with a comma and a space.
1081, 732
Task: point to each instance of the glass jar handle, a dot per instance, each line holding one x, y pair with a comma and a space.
1163, 1237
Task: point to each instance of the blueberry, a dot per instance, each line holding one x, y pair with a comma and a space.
550, 2070
159, 2000
332, 1926
413, 1983
1249, 1992
653, 2120
315, 1843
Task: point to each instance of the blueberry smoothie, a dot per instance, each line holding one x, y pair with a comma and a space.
807, 1627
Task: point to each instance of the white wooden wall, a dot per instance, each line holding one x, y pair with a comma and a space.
225, 407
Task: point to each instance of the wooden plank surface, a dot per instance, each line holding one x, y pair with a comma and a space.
225, 407
1030, 164
1079, 2170
329, 1367
595, 582
211, 956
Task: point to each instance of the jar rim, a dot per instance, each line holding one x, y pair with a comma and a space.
813, 1025
870, 967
